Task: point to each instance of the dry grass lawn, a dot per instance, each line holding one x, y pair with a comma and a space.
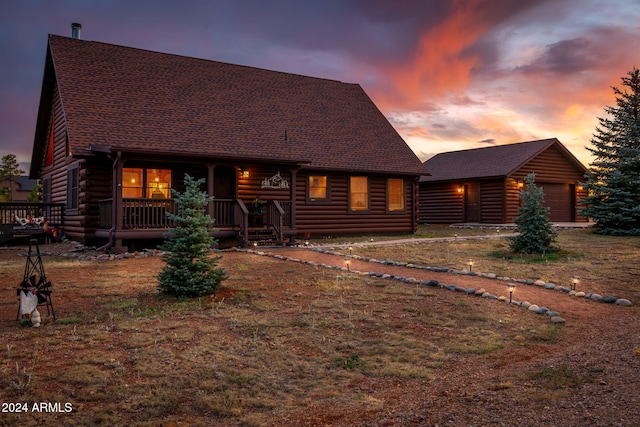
285, 343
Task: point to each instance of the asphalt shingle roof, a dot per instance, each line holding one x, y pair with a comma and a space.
486, 162
137, 100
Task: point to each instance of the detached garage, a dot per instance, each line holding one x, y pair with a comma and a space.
482, 185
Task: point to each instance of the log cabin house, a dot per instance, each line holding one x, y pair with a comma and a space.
283, 155
482, 185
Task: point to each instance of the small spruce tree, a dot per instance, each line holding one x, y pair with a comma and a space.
613, 181
535, 231
190, 269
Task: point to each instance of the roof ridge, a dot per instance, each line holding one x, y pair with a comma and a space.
194, 58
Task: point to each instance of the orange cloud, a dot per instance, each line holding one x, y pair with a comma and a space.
439, 66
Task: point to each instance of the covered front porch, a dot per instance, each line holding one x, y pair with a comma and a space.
146, 218
252, 201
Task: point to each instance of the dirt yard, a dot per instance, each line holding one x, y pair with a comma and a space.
286, 343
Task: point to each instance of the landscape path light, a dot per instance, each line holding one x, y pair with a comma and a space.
470, 264
350, 250
512, 288
574, 282
348, 263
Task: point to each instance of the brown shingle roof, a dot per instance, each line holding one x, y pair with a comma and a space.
496, 161
139, 100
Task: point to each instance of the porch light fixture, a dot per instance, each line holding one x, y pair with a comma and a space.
520, 184
244, 173
574, 282
460, 188
470, 264
512, 288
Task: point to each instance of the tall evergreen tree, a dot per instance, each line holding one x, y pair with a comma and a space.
535, 231
190, 269
9, 169
613, 181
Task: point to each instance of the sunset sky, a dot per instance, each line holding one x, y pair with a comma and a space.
448, 74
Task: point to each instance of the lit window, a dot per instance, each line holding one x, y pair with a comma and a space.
158, 183
132, 183
317, 187
146, 183
395, 194
358, 193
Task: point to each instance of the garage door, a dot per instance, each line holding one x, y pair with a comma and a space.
559, 198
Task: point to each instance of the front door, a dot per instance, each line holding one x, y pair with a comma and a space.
224, 182
471, 202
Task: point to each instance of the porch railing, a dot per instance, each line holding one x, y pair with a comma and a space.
53, 212
152, 213
275, 218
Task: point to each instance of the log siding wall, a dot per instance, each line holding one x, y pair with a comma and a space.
334, 217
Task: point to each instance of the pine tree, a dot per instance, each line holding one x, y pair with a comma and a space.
613, 181
9, 169
535, 231
190, 269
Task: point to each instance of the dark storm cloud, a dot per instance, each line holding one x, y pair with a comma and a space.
564, 57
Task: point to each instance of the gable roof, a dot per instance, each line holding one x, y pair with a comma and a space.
118, 98
487, 162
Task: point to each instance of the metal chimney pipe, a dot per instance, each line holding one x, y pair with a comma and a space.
75, 30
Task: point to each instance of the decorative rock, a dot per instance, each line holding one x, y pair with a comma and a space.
502, 298
623, 302
386, 276
552, 313
533, 307
480, 291
486, 295
461, 289
580, 294
491, 276
609, 299
596, 297
451, 287
470, 291
526, 304
557, 319
549, 286
542, 310
539, 283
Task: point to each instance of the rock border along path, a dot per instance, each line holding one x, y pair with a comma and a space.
387, 265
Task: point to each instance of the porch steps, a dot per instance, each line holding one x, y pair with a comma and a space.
262, 237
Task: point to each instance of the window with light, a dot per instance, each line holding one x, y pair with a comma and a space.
317, 187
146, 183
395, 194
358, 193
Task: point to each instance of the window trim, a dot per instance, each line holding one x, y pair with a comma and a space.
366, 210
315, 200
404, 198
